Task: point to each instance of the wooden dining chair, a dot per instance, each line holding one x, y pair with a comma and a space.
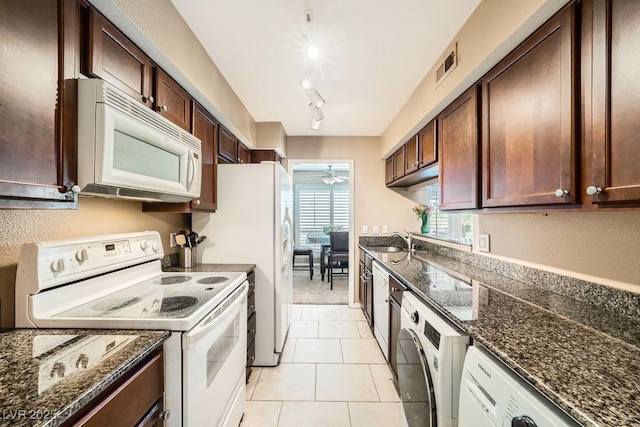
338, 253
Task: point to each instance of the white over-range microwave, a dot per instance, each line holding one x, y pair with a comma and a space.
127, 150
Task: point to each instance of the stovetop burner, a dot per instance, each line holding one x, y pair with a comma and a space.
173, 280
212, 280
170, 304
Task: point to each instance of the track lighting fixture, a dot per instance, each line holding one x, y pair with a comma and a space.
315, 124
315, 98
316, 113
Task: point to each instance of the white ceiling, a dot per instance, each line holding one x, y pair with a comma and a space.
373, 54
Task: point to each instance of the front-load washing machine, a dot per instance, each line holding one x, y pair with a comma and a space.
430, 358
491, 395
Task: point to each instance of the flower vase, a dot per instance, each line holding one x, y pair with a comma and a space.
424, 228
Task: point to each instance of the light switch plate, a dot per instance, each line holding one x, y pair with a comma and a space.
375, 229
483, 242
365, 229
172, 240
385, 229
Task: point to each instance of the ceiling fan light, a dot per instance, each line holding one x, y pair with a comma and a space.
315, 124
316, 99
329, 180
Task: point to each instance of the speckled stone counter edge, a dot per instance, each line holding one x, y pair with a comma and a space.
611, 299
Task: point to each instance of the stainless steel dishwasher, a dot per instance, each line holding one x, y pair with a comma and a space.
381, 307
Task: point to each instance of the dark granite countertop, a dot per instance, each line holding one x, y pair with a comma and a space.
47, 375
215, 268
582, 357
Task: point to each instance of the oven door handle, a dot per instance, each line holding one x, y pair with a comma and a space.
216, 316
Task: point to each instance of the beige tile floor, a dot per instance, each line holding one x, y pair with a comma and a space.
332, 373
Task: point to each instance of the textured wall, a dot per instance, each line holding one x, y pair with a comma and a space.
94, 216
604, 245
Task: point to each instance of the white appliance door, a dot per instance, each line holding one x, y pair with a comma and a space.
214, 357
381, 314
283, 255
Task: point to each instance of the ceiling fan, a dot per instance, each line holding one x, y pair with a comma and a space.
329, 176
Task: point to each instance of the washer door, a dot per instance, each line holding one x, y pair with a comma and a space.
414, 379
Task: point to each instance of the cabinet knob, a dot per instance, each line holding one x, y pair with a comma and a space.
592, 190
164, 415
146, 99
252, 358
162, 108
251, 307
386, 300
415, 164
561, 193
394, 289
75, 189
197, 201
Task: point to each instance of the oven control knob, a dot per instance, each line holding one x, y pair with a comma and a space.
57, 266
155, 246
144, 245
82, 362
57, 370
415, 317
523, 421
82, 255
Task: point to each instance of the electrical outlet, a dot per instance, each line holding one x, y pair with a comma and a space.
172, 240
483, 242
375, 229
385, 229
365, 229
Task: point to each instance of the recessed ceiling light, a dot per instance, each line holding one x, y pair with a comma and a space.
313, 52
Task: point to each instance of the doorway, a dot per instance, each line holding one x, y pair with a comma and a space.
323, 202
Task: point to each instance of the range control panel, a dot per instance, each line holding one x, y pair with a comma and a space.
60, 262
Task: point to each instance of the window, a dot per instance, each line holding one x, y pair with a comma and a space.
453, 227
318, 207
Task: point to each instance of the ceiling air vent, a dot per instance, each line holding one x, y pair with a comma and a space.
450, 62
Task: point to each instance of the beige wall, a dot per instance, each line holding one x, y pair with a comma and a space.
172, 44
271, 135
94, 216
603, 245
492, 30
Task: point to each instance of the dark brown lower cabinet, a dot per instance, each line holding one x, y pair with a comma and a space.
251, 322
134, 401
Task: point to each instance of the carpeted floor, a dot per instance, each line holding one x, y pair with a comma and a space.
316, 291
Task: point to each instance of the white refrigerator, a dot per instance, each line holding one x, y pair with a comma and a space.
253, 225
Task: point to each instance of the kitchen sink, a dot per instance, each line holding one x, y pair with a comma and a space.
387, 249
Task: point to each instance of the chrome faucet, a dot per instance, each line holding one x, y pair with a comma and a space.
408, 239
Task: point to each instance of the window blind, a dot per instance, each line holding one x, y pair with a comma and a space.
318, 206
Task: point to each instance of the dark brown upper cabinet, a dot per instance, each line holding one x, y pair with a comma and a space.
172, 102
244, 154
398, 164
40, 59
114, 58
227, 145
529, 124
388, 170
458, 145
411, 155
615, 159
258, 156
427, 145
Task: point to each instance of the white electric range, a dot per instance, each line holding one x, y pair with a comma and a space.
116, 282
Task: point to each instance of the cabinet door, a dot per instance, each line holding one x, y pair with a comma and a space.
398, 163
114, 58
37, 136
153, 417
616, 102
458, 151
205, 127
394, 331
362, 288
258, 156
529, 120
244, 154
388, 171
427, 145
227, 145
172, 102
411, 153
